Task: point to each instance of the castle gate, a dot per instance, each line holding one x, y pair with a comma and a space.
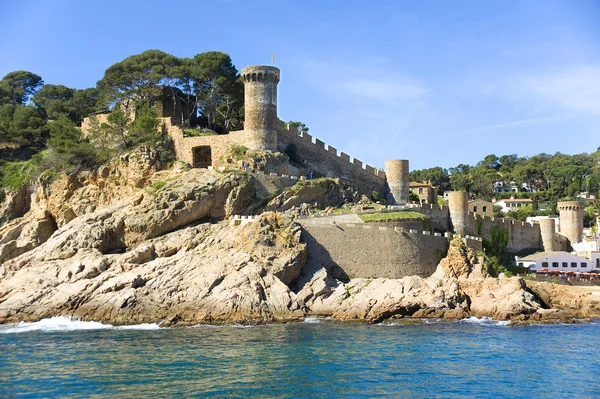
202, 156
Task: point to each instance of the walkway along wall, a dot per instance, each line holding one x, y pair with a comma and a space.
369, 251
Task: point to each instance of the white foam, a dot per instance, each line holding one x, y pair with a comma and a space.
485, 321
312, 320
63, 323
145, 326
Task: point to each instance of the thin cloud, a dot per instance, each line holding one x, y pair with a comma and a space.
522, 122
574, 88
375, 82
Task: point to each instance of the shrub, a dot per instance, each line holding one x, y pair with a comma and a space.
239, 152
292, 152
14, 175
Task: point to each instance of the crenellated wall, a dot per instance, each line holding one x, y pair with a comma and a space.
371, 251
439, 217
521, 236
326, 160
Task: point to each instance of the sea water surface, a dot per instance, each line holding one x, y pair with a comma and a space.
472, 358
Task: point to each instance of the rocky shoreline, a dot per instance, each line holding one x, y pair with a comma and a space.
112, 247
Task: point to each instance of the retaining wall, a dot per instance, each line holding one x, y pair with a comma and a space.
370, 251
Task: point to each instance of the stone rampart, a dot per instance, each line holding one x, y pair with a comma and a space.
327, 160
220, 145
371, 251
439, 217
521, 236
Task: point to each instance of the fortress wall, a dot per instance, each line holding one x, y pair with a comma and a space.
561, 243
220, 144
521, 236
438, 216
87, 123
327, 160
371, 251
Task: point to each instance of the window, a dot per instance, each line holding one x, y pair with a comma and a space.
583, 264
420, 191
474, 209
520, 264
544, 264
573, 264
565, 264
484, 208
554, 264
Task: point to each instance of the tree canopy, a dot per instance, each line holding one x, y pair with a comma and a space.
543, 177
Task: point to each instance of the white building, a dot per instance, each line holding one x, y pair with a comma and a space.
560, 261
588, 244
513, 204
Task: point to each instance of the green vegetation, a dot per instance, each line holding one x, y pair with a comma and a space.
39, 122
198, 132
392, 216
412, 197
497, 244
158, 185
298, 125
14, 175
555, 177
377, 197
239, 152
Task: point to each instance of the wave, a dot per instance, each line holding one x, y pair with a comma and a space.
485, 321
312, 320
64, 323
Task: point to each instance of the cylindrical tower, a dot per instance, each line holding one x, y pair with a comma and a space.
260, 107
458, 202
571, 220
396, 173
548, 232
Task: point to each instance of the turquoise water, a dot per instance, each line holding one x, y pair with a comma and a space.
314, 359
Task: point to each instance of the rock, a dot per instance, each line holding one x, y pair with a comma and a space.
321, 193
127, 246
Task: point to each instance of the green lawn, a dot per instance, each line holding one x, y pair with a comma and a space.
392, 216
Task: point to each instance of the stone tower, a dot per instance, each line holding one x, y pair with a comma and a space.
548, 231
571, 220
458, 202
260, 105
396, 173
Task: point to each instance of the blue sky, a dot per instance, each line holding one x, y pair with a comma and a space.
435, 82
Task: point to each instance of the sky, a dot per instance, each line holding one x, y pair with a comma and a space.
439, 83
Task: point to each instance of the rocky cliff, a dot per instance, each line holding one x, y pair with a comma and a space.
130, 243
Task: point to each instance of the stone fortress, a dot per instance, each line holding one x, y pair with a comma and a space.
354, 248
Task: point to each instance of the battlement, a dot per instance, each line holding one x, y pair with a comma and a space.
260, 73
320, 148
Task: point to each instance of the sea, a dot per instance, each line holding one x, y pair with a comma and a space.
317, 358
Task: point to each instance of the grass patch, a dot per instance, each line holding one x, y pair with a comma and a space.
158, 185
197, 132
392, 216
14, 175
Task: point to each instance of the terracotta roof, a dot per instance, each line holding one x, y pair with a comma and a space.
517, 200
415, 184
